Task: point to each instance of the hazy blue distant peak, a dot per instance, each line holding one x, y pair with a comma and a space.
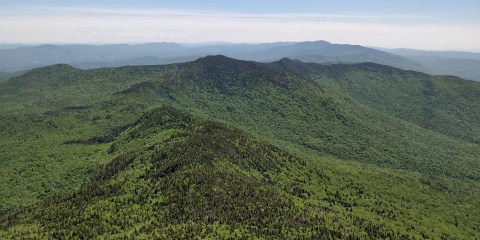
316, 43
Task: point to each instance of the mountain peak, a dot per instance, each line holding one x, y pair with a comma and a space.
219, 63
53, 68
317, 44
227, 74
50, 75
294, 66
216, 59
322, 42
287, 60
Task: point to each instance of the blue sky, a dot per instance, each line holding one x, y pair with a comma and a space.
462, 9
424, 24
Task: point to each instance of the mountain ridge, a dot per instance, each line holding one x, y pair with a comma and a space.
115, 55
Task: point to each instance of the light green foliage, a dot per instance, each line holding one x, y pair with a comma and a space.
186, 177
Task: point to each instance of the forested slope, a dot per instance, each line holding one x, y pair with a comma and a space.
178, 176
396, 150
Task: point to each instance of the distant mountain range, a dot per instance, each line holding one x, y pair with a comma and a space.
462, 64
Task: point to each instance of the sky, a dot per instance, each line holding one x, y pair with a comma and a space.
419, 24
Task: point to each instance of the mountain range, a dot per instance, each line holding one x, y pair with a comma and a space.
226, 148
19, 58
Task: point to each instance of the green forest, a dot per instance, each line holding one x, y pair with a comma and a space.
224, 148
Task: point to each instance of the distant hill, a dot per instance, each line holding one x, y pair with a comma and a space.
442, 54
4, 76
36, 56
462, 64
138, 61
461, 67
322, 51
92, 56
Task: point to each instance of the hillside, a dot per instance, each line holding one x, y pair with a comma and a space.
281, 101
444, 104
192, 178
363, 128
270, 99
179, 176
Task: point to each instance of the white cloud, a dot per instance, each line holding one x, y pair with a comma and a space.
94, 25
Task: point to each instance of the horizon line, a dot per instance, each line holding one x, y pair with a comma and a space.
211, 43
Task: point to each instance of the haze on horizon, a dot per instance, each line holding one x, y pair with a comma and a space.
428, 25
